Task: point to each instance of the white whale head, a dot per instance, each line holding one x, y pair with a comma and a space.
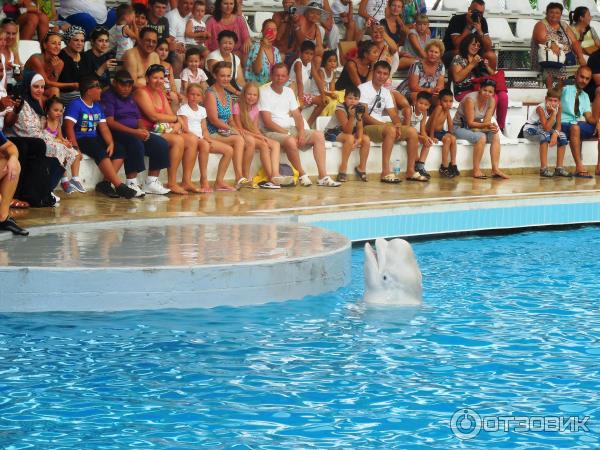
392, 275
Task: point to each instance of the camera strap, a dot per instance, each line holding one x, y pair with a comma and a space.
377, 100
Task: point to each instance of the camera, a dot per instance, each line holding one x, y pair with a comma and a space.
292, 10
476, 16
360, 109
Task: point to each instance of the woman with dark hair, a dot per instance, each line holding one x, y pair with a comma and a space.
49, 65
71, 57
98, 60
29, 121
469, 64
579, 22
360, 69
473, 122
225, 17
263, 55
556, 36
227, 40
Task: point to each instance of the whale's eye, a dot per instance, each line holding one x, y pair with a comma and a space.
385, 278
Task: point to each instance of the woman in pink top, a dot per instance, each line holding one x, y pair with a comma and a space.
226, 17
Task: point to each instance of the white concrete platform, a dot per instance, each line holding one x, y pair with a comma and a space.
113, 266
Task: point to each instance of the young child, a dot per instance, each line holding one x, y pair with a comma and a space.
543, 126
162, 49
195, 28
54, 109
194, 121
322, 86
141, 15
346, 126
123, 35
85, 127
440, 116
418, 120
192, 72
301, 74
245, 117
343, 19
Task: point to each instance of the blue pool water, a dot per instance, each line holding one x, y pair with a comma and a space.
510, 327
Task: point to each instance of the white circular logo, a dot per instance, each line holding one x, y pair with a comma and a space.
465, 423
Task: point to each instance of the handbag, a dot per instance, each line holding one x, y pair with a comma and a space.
550, 60
499, 77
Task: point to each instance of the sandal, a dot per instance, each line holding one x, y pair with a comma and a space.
328, 182
545, 172
342, 177
582, 174
561, 172
361, 175
390, 178
18, 204
417, 177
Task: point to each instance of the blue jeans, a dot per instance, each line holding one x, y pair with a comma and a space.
542, 136
88, 23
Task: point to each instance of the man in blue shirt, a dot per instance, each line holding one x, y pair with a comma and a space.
9, 177
576, 105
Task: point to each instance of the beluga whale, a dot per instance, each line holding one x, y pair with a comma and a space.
392, 274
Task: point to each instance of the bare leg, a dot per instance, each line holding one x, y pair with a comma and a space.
363, 153
446, 144
249, 148
543, 155
318, 142
275, 157
203, 151
290, 146
227, 152
495, 157
190, 152
389, 137
412, 147
477, 155
176, 147
7, 190
347, 141
265, 158
560, 155
453, 150
575, 144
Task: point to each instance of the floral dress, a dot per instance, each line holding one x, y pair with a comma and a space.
29, 124
264, 76
425, 80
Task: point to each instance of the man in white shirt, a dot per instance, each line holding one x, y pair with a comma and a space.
376, 100
178, 18
281, 120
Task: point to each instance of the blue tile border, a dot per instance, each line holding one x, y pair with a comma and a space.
461, 218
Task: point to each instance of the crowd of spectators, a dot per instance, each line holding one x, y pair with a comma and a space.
118, 102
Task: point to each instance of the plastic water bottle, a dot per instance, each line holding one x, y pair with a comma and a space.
396, 167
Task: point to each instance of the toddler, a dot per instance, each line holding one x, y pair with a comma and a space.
124, 34
195, 28
192, 72
418, 120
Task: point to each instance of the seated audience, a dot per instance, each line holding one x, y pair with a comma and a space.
195, 27
556, 35
158, 117
414, 45
462, 26
225, 17
9, 177
577, 119
124, 34
544, 126
123, 119
162, 50
470, 64
282, 121
156, 19
12, 61
426, 75
377, 99
346, 126
193, 73
343, 17
579, 21
32, 20
193, 117
387, 50
137, 60
360, 69
370, 12
85, 126
49, 65
72, 65
309, 29
99, 60
473, 122
418, 121
393, 23
178, 18
87, 14
227, 41
219, 110
263, 55
441, 128
285, 21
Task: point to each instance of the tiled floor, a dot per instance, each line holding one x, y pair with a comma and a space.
352, 196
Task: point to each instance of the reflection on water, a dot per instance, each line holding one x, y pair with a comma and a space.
150, 246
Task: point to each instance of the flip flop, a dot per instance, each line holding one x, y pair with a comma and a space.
226, 189
481, 177
390, 178
18, 204
417, 177
582, 174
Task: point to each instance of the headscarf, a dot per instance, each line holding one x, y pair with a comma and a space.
72, 31
28, 80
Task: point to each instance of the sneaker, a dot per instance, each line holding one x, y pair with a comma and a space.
67, 187
55, 197
268, 185
561, 172
243, 182
138, 190
78, 186
328, 181
454, 170
155, 187
125, 191
545, 172
104, 187
445, 172
304, 180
